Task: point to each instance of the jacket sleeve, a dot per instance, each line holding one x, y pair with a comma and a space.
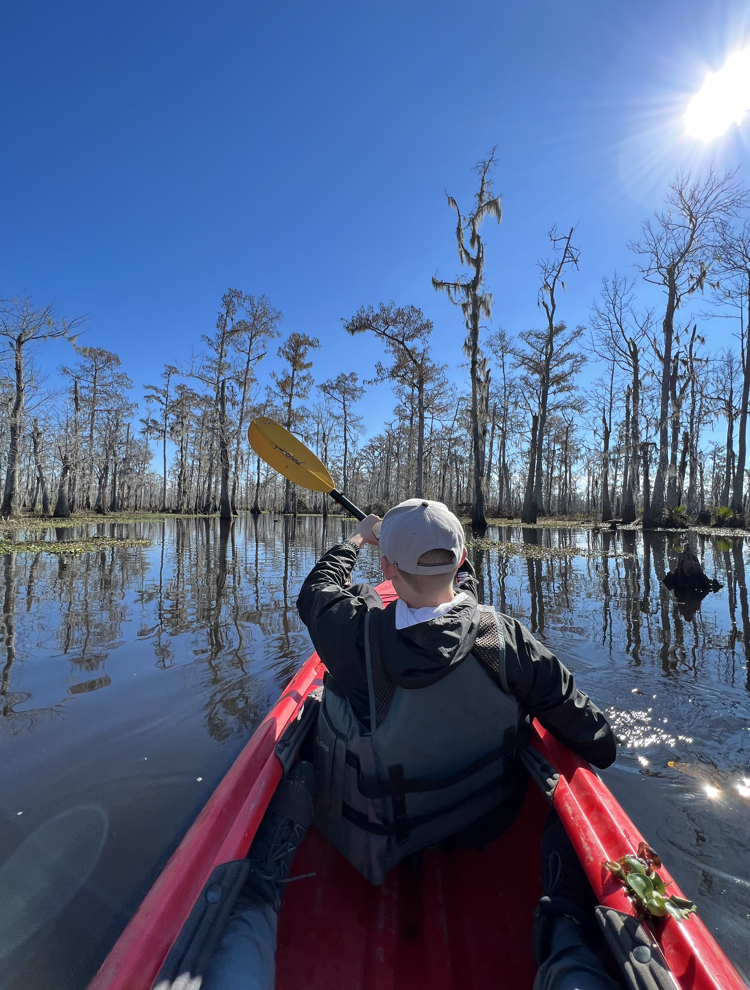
547, 690
334, 613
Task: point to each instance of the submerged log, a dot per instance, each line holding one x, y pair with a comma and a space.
688, 576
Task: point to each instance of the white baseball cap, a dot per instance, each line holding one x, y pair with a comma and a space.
415, 526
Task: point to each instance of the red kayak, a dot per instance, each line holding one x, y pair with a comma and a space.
448, 926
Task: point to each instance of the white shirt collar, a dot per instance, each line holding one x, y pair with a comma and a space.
406, 616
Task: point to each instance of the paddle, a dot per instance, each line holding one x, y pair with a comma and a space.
293, 460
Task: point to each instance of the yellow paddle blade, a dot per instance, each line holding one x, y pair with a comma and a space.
288, 455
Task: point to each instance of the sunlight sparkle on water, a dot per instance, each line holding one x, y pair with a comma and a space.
724, 99
711, 791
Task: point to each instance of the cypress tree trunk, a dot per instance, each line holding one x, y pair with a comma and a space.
36, 434
606, 506
225, 503
529, 513
739, 474
62, 509
256, 501
656, 503
10, 493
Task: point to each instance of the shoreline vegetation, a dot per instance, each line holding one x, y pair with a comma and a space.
657, 429
30, 527
711, 521
35, 524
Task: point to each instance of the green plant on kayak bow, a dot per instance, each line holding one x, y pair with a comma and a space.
648, 890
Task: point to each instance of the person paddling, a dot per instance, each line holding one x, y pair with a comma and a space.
424, 714
424, 709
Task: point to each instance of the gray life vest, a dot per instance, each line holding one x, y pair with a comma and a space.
434, 760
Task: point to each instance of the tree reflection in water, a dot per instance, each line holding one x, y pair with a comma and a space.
622, 573
9, 632
739, 577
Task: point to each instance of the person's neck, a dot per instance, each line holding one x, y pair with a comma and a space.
413, 599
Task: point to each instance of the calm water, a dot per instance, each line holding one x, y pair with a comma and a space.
130, 679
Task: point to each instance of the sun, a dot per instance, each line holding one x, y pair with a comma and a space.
723, 101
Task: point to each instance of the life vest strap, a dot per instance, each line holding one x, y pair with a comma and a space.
398, 802
410, 823
506, 752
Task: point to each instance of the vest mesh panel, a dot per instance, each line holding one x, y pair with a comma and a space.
487, 647
383, 686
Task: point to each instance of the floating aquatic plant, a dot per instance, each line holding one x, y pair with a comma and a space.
67, 548
541, 552
646, 887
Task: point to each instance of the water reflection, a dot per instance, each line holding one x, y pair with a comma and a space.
208, 593
674, 676
129, 679
623, 572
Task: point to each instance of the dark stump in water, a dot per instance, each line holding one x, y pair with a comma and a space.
688, 577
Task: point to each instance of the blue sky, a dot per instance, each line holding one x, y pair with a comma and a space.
155, 154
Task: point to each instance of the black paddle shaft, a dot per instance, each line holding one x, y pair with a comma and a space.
349, 506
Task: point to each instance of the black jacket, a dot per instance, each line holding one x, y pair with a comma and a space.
334, 610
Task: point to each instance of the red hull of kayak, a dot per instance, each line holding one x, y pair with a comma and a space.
463, 922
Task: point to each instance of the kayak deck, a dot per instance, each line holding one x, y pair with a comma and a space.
460, 921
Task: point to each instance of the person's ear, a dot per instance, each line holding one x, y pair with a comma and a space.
389, 571
463, 558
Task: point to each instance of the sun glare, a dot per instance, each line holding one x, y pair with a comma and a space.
723, 101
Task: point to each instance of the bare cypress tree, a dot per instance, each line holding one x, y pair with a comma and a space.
21, 327
734, 262
257, 325
618, 335
550, 353
344, 390
100, 386
405, 331
697, 412
475, 303
73, 479
507, 392
294, 383
219, 364
604, 400
548, 368
159, 394
678, 252
726, 378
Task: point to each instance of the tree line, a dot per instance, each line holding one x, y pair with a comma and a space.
659, 427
